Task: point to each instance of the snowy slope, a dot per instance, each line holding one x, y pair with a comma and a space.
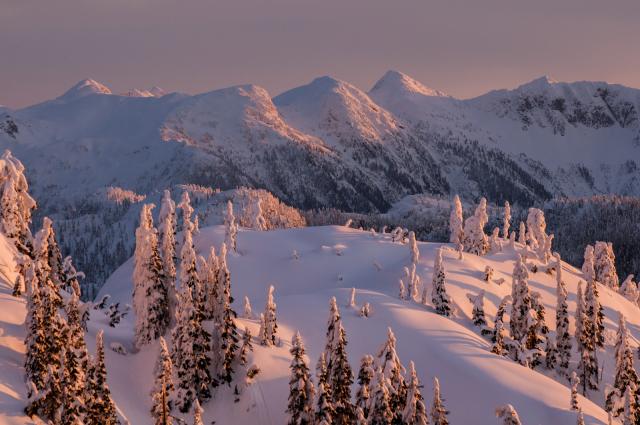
12, 332
331, 261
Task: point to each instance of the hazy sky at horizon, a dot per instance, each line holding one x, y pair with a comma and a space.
462, 47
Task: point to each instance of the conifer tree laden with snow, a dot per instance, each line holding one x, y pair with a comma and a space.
508, 415
415, 412
413, 245
341, 378
563, 338
521, 301
190, 354
16, 205
228, 332
574, 381
476, 241
100, 407
588, 266
586, 336
439, 297
270, 327
36, 357
438, 411
506, 220
380, 412
365, 376
522, 234
594, 311
477, 314
455, 223
324, 409
167, 247
393, 371
150, 295
230, 228
163, 385
301, 390
625, 374
604, 265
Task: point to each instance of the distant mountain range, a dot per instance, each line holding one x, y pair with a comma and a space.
328, 144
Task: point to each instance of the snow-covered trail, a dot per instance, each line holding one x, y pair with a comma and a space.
331, 261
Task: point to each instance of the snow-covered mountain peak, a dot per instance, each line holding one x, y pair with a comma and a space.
154, 91
85, 87
335, 108
538, 84
395, 82
157, 91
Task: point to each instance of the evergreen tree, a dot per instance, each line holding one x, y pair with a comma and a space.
47, 401
455, 223
439, 297
508, 415
167, 247
438, 411
393, 371
228, 333
580, 312
550, 353
324, 408
588, 267
380, 412
230, 228
538, 330
190, 355
477, 314
506, 220
630, 413
75, 364
322, 372
257, 221
415, 412
247, 314
365, 376
332, 337
498, 338
16, 205
341, 378
605, 265
100, 407
36, 358
413, 245
625, 374
188, 272
563, 338
522, 234
595, 311
163, 385
270, 322
301, 390
521, 304
246, 346
588, 364
574, 381
476, 241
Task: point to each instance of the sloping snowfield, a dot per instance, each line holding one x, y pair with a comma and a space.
332, 260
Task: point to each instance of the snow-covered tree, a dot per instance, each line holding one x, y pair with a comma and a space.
625, 374
522, 234
402, 290
563, 338
475, 240
228, 332
167, 247
605, 265
150, 294
455, 223
498, 338
412, 280
595, 311
190, 354
100, 408
438, 411
247, 311
188, 275
477, 314
588, 266
413, 245
75, 364
341, 378
574, 381
521, 301
230, 228
245, 347
270, 326
629, 289
324, 409
550, 353
365, 376
508, 415
380, 412
630, 412
439, 297
415, 412
538, 331
580, 418
506, 220
162, 386
352, 298
257, 218
36, 356
301, 391
393, 371
16, 205
47, 401
586, 336
494, 241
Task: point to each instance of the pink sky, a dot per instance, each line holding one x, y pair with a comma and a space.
464, 48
